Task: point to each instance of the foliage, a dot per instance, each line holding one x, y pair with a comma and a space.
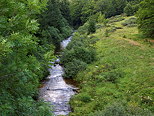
129, 10
122, 71
91, 26
78, 53
83, 29
53, 24
112, 75
145, 17
23, 58
82, 10
132, 7
75, 11
102, 19
73, 67
111, 8
65, 10
84, 97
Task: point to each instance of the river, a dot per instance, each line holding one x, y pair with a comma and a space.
55, 90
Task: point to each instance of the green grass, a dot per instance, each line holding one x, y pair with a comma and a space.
123, 72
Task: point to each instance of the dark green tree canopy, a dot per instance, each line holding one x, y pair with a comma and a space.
146, 18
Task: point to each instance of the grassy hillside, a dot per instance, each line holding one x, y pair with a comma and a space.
122, 76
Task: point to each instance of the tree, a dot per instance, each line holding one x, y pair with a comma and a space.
65, 10
110, 7
54, 26
22, 58
92, 26
129, 10
146, 18
76, 12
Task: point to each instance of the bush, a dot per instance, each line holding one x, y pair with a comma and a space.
84, 54
146, 18
83, 29
53, 35
101, 19
84, 98
67, 56
92, 26
73, 67
81, 53
77, 54
129, 10
75, 42
66, 32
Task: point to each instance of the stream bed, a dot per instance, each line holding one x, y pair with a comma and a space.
55, 90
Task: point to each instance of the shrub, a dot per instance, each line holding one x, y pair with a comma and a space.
84, 54
91, 26
67, 56
75, 43
66, 31
102, 19
129, 10
145, 16
73, 67
83, 29
81, 53
78, 54
53, 35
85, 97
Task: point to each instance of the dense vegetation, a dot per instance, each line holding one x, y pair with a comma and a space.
54, 27
81, 10
146, 18
120, 80
77, 55
112, 62
28, 37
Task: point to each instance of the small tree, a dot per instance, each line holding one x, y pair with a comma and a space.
129, 10
102, 19
92, 26
146, 18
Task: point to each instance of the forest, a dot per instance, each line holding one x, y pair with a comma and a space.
110, 56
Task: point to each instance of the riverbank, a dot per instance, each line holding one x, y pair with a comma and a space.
120, 80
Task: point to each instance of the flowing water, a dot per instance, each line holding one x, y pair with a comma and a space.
55, 90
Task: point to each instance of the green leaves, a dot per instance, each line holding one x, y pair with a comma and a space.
92, 26
54, 27
22, 60
32, 25
146, 18
77, 55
